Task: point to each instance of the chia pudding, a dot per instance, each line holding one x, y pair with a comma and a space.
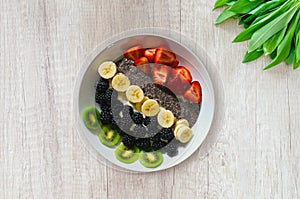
180, 107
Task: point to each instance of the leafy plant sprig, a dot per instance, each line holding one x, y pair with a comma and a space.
271, 26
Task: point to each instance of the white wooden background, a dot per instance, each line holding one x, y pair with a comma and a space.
253, 150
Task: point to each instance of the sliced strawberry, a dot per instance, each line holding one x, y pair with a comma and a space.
160, 74
178, 85
184, 72
163, 56
194, 93
145, 68
134, 53
150, 53
141, 61
175, 63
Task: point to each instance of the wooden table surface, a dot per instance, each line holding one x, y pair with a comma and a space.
253, 149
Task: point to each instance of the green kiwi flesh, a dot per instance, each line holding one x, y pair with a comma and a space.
91, 118
151, 159
127, 155
109, 136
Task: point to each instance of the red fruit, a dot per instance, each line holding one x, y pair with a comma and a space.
177, 85
175, 63
184, 72
160, 74
194, 93
163, 56
134, 53
141, 61
150, 53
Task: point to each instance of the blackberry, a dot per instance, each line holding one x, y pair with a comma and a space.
106, 116
108, 95
158, 145
143, 144
128, 140
147, 121
102, 85
100, 99
137, 118
167, 134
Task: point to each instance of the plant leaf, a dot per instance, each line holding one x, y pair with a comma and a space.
267, 31
226, 14
271, 44
252, 55
284, 47
245, 6
220, 3
290, 59
260, 10
247, 33
297, 49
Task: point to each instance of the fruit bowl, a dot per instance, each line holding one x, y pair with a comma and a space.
155, 80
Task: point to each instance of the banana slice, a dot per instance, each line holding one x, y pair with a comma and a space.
138, 106
184, 133
120, 82
165, 118
107, 69
177, 127
150, 107
134, 94
182, 121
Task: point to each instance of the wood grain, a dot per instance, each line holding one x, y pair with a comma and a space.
253, 150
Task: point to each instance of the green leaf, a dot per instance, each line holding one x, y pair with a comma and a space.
290, 59
273, 54
297, 49
260, 10
252, 55
245, 6
284, 47
247, 33
266, 32
271, 44
220, 3
226, 14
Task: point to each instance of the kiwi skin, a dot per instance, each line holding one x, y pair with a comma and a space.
145, 160
91, 118
132, 154
109, 136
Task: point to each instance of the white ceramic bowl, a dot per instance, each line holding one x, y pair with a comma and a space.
85, 91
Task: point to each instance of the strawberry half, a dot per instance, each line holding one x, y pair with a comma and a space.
150, 53
160, 74
177, 85
175, 63
134, 53
141, 61
163, 56
184, 72
194, 93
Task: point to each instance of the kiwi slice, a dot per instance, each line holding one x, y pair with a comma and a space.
127, 155
109, 136
91, 118
151, 159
